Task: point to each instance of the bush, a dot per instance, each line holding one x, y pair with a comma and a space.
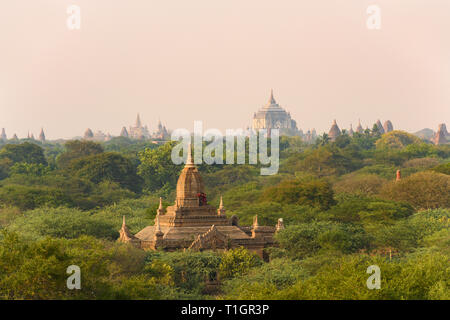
24, 152
423, 190
107, 166
417, 277
311, 192
351, 208
421, 163
443, 168
237, 262
262, 281
63, 223
303, 240
396, 140
109, 270
364, 184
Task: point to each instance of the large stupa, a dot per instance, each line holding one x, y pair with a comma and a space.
272, 116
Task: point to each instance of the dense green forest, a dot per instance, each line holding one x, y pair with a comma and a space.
62, 204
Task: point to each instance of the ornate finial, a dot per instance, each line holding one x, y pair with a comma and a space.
160, 208
123, 222
334, 121
221, 203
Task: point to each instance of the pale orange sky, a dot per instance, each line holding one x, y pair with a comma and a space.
216, 61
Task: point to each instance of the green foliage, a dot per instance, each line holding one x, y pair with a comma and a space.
312, 192
420, 150
396, 140
37, 270
263, 280
30, 197
306, 239
360, 208
418, 277
423, 190
407, 234
76, 149
363, 184
443, 168
157, 168
331, 160
237, 261
190, 270
56, 190
63, 223
106, 166
24, 152
29, 169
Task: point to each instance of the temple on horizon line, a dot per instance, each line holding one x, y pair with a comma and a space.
191, 223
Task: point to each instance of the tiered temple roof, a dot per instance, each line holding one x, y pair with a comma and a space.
191, 223
272, 116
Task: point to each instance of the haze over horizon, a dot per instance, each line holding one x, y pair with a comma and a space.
216, 61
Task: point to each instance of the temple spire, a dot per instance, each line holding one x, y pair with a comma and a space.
189, 161
158, 231
221, 210
42, 135
160, 208
272, 99
138, 121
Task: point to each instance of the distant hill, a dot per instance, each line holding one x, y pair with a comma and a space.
426, 134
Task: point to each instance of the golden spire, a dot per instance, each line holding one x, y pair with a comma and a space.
221, 203
221, 210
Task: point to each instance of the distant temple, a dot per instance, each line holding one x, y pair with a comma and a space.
272, 116
388, 127
359, 128
310, 136
334, 131
162, 133
42, 135
442, 136
138, 131
192, 224
3, 136
380, 127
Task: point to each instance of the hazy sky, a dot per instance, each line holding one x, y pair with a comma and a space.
216, 61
